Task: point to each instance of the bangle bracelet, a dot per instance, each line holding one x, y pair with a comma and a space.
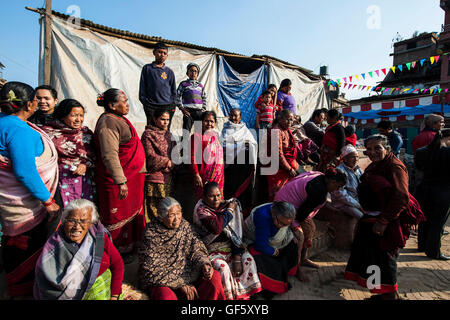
49, 204
119, 184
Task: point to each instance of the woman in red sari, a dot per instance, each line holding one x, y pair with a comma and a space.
207, 161
287, 150
333, 140
120, 171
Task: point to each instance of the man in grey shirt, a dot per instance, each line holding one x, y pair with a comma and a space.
312, 127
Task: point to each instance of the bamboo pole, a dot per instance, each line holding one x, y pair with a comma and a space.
48, 41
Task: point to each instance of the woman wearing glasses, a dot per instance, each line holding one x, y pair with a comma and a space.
79, 261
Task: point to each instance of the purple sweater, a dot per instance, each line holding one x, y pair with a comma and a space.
287, 101
191, 94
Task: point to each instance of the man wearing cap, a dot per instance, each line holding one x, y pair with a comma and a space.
191, 97
157, 87
346, 199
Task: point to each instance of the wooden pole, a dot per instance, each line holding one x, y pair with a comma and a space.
48, 41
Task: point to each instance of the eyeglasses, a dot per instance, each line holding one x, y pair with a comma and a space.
281, 223
73, 222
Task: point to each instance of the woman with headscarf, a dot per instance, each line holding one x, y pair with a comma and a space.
241, 152
433, 193
76, 151
207, 161
333, 140
286, 150
158, 144
390, 211
119, 173
219, 224
79, 261
28, 179
173, 261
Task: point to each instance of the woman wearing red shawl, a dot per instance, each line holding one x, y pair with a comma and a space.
119, 173
207, 162
287, 151
389, 213
76, 151
333, 140
28, 179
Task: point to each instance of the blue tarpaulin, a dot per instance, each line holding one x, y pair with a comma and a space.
240, 90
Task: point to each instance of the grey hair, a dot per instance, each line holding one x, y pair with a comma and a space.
165, 205
282, 208
432, 119
378, 137
80, 204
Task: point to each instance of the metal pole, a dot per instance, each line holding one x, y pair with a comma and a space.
48, 41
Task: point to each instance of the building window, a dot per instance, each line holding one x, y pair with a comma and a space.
411, 45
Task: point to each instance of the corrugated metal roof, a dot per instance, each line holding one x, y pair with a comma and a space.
145, 39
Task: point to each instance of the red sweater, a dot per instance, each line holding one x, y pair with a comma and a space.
112, 260
423, 139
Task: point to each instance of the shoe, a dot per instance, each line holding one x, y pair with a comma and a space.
443, 257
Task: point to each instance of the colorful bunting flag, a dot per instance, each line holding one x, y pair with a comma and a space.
371, 74
446, 90
431, 91
408, 65
436, 59
345, 79
413, 64
368, 88
432, 60
393, 69
377, 72
384, 71
356, 76
363, 75
400, 66
422, 61
350, 78
440, 90
392, 90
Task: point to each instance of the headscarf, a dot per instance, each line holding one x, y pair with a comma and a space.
348, 149
193, 65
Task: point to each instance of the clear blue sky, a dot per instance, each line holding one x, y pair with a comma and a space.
340, 34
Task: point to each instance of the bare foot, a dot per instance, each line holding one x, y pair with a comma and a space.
301, 276
309, 263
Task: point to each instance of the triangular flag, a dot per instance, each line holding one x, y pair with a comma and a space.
408, 65
354, 86
359, 87
329, 81
440, 90
421, 90
350, 78
446, 90
425, 90
436, 59
338, 81
363, 87
404, 90
392, 90
345, 85
414, 64
345, 79
400, 66
415, 90
371, 74
383, 89
363, 75
368, 88
431, 91
393, 69
432, 60
377, 72
384, 71
422, 61
356, 76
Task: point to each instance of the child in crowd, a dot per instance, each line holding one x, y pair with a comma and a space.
191, 97
265, 111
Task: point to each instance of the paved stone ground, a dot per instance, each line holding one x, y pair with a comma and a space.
419, 278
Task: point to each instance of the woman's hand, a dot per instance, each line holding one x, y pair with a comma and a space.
170, 166
198, 181
207, 271
114, 298
189, 292
378, 228
232, 205
81, 170
236, 264
123, 191
185, 112
292, 172
52, 209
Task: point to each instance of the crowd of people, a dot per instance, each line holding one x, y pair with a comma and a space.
77, 205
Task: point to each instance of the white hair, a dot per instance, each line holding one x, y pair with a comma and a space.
80, 204
165, 205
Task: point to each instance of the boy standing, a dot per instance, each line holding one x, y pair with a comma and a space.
265, 111
191, 97
157, 88
47, 98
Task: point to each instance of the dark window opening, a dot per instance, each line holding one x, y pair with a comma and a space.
411, 45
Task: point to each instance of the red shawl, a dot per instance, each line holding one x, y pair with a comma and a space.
116, 213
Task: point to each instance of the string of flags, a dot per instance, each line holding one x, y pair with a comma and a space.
348, 83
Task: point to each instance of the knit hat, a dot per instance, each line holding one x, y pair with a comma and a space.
193, 65
348, 149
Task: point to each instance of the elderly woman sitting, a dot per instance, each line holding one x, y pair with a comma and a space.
268, 233
79, 261
219, 224
173, 262
346, 199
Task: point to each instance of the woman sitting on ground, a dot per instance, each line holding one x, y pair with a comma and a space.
173, 262
272, 244
28, 180
346, 199
158, 144
390, 211
79, 261
76, 151
308, 194
219, 224
241, 153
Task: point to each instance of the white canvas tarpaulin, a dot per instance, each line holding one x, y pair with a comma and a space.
86, 63
309, 94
